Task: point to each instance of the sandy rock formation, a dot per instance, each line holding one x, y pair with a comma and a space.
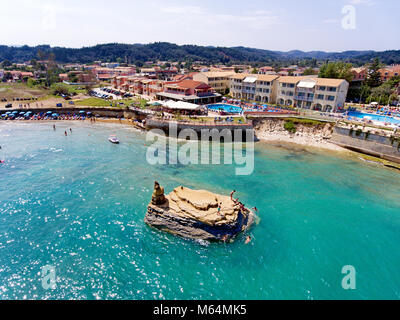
199, 214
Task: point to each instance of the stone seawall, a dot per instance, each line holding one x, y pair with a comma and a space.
385, 147
173, 128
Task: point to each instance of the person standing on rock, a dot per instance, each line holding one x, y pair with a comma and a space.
219, 208
232, 193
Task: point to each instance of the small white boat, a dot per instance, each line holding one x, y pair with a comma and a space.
113, 139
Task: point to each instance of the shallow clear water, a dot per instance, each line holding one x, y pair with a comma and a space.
78, 202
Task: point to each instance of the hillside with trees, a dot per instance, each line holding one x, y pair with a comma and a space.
140, 53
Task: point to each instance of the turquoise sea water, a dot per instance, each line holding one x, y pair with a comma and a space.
78, 202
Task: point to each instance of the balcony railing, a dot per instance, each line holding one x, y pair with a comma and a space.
304, 98
307, 90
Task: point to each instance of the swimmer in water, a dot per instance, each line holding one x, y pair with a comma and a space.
225, 238
248, 240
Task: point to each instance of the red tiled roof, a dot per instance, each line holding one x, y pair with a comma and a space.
191, 84
104, 76
26, 74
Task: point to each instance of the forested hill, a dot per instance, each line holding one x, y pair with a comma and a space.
133, 53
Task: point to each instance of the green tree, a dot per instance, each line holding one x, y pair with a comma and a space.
381, 94
73, 78
60, 89
7, 76
309, 72
6, 63
393, 98
374, 76
365, 91
337, 70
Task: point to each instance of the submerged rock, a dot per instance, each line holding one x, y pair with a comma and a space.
199, 214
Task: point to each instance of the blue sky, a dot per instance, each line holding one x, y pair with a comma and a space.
275, 25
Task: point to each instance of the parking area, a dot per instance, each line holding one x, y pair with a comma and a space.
109, 94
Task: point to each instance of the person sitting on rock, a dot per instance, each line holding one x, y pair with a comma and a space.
158, 197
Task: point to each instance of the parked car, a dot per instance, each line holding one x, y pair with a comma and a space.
9, 105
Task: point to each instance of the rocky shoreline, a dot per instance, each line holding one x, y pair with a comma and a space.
318, 136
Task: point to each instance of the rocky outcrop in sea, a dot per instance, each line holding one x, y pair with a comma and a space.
198, 214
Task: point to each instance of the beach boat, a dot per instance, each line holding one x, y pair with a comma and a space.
113, 139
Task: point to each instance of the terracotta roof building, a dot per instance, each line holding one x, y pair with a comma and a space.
189, 91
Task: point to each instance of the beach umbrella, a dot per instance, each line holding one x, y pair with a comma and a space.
15, 112
21, 113
48, 112
4, 115
89, 113
8, 112
81, 111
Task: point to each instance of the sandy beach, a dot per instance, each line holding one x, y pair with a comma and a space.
312, 136
300, 139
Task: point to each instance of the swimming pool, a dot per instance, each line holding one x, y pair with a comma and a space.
373, 117
225, 107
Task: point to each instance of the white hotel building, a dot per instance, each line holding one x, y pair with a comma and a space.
302, 92
255, 87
